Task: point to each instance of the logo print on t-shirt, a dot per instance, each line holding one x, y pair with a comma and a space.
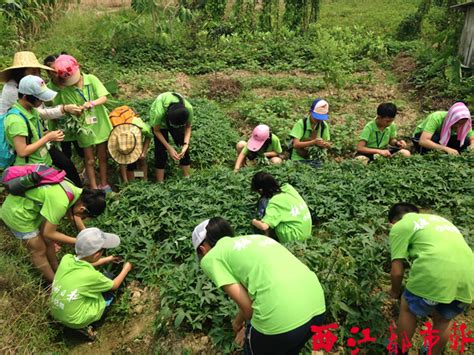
420, 224
241, 244
73, 296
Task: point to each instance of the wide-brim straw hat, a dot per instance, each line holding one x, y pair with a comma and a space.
125, 143
23, 60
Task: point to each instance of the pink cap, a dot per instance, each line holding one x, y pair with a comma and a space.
67, 68
259, 135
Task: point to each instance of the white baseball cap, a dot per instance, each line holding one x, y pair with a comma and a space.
91, 240
199, 234
35, 86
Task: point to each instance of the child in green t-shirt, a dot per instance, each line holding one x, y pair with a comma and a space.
286, 215
77, 294
279, 298
261, 143
441, 279
311, 131
378, 135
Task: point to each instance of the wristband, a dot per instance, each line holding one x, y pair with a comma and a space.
185, 143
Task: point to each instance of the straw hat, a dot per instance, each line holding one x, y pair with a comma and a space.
23, 60
125, 143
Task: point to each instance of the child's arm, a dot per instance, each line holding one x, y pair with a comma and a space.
174, 154
187, 137
239, 161
24, 150
396, 275
270, 154
127, 267
123, 172
426, 142
50, 232
260, 225
105, 260
100, 101
146, 144
362, 148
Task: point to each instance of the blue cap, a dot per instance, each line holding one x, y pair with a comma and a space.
319, 110
35, 86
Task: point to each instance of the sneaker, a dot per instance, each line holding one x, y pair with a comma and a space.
105, 188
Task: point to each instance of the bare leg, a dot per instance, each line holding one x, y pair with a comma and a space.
186, 170
102, 155
403, 152
143, 166
160, 175
276, 160
364, 160
37, 248
89, 161
51, 253
124, 173
406, 322
444, 327
240, 145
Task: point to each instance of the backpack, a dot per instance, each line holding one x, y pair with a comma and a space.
121, 115
7, 153
21, 178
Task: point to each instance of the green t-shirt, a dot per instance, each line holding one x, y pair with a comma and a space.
160, 106
433, 124
288, 214
48, 202
274, 146
443, 264
97, 118
15, 125
76, 294
285, 294
144, 127
375, 138
298, 132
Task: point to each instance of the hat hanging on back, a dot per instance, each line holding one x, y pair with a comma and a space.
90, 240
67, 69
125, 143
199, 234
35, 86
22, 60
319, 110
259, 135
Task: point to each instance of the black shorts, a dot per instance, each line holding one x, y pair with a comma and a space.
161, 154
290, 342
392, 150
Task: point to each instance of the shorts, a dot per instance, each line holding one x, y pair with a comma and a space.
25, 235
289, 343
392, 151
422, 307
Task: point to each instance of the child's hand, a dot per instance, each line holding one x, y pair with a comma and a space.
401, 143
87, 105
451, 151
128, 266
240, 337
174, 154
73, 109
385, 153
55, 136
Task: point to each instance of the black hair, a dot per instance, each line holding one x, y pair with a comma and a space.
51, 58
398, 210
267, 183
387, 109
218, 228
17, 74
94, 201
30, 98
178, 114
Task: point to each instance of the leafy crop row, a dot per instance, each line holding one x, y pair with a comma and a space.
348, 251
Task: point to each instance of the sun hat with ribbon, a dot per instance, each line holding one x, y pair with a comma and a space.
22, 60
125, 143
319, 110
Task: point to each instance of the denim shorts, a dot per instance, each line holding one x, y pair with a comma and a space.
422, 307
25, 235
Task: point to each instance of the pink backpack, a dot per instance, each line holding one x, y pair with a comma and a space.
19, 179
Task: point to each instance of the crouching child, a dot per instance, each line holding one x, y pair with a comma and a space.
80, 293
379, 137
